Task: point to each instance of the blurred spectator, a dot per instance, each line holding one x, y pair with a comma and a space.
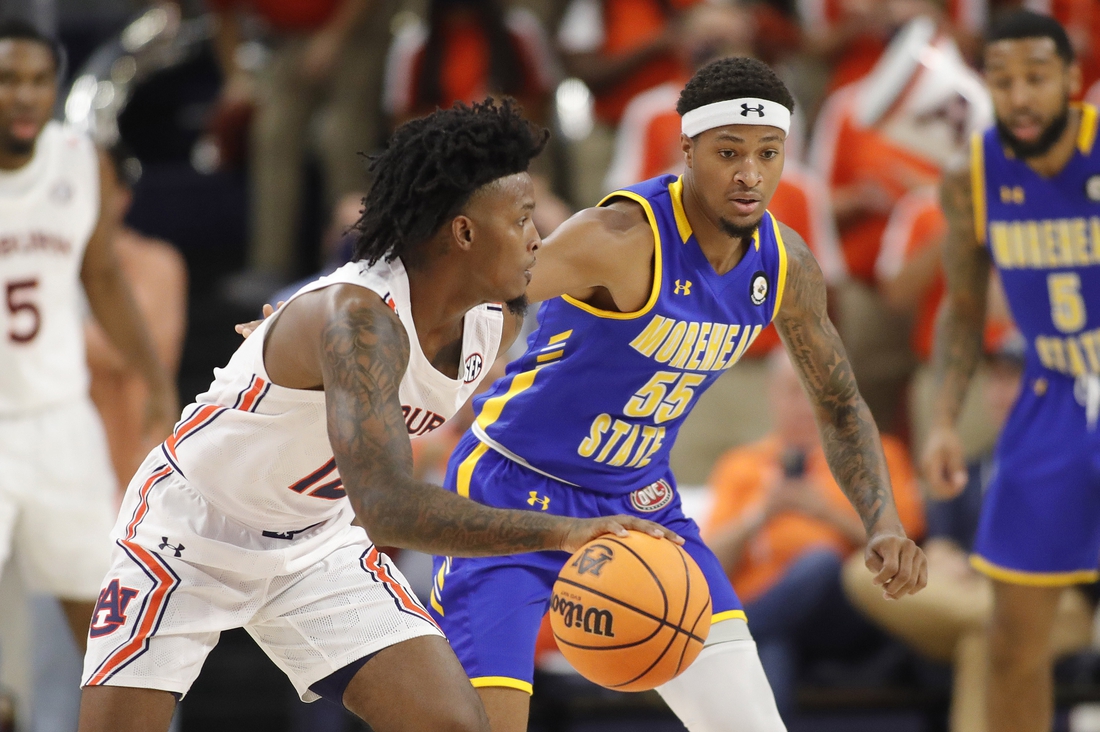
468, 50
620, 48
782, 527
158, 278
910, 278
321, 60
946, 621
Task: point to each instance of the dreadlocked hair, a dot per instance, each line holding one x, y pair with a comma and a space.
733, 78
430, 168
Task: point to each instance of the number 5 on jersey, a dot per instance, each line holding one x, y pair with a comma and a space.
1067, 307
26, 320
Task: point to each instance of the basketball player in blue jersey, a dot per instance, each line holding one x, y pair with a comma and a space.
1028, 202
663, 287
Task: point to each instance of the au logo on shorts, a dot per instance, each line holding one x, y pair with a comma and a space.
653, 497
593, 559
110, 609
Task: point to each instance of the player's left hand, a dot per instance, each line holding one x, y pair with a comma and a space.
898, 564
247, 329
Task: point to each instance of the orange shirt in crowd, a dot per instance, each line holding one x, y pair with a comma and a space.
740, 481
614, 27
464, 69
648, 144
847, 154
916, 224
291, 16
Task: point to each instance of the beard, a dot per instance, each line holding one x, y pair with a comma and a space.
19, 147
518, 306
1042, 144
738, 231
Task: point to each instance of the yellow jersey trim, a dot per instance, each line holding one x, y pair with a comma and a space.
657, 267
781, 285
560, 337
480, 682
490, 411
466, 468
977, 185
728, 615
676, 193
1033, 579
1086, 135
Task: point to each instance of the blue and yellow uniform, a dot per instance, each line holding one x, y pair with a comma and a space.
1040, 522
582, 425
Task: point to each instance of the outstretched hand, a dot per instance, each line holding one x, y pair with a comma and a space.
899, 565
583, 531
247, 329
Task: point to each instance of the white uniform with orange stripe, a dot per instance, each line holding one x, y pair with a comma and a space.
240, 519
57, 486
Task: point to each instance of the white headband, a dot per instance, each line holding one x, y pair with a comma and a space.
748, 111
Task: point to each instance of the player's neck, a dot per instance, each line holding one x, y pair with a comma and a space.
723, 251
440, 301
1057, 158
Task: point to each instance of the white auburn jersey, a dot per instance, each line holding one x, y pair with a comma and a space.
48, 210
260, 453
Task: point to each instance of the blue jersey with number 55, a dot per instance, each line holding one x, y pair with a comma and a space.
1044, 237
597, 399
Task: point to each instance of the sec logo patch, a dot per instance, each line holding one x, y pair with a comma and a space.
653, 497
472, 368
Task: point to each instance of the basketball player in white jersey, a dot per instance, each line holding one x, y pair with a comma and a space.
240, 517
57, 489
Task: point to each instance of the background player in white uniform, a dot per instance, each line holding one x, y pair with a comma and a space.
243, 516
56, 482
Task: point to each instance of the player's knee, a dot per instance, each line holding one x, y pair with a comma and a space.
462, 718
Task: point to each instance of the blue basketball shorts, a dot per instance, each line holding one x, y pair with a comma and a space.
491, 607
1040, 522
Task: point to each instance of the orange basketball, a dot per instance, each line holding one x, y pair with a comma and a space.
630, 613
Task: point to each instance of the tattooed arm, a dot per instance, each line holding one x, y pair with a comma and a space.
848, 432
364, 353
958, 343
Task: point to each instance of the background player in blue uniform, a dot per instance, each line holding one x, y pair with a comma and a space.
1028, 201
665, 285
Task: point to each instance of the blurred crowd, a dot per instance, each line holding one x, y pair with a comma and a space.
888, 93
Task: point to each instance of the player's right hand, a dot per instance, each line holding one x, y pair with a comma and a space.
944, 465
583, 531
247, 329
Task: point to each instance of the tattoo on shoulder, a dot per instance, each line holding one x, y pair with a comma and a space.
365, 354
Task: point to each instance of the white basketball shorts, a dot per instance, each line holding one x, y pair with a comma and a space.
57, 499
314, 600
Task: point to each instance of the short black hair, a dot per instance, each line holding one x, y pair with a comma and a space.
430, 168
733, 78
20, 30
1026, 24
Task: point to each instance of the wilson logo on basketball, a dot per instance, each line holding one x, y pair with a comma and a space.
653, 497
589, 619
593, 559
